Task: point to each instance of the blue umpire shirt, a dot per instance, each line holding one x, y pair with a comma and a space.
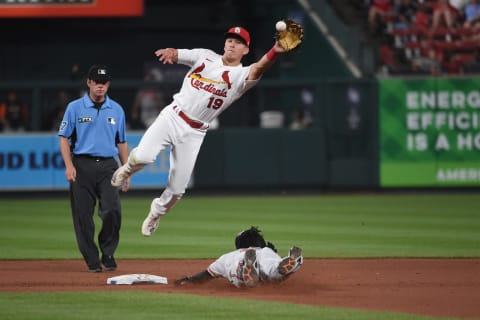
96, 131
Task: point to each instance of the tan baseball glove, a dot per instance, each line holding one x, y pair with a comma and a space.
292, 37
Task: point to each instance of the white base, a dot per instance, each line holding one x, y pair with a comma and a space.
136, 279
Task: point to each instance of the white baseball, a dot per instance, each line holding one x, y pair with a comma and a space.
281, 25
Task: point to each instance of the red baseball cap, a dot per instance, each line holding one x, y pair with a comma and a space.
240, 33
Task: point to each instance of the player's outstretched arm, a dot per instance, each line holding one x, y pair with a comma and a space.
167, 55
266, 61
289, 36
200, 277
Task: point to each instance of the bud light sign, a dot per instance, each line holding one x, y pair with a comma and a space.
34, 162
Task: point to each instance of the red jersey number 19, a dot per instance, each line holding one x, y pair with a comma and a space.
215, 103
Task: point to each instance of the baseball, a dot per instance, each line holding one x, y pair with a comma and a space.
281, 25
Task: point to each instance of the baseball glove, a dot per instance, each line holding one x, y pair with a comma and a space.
292, 37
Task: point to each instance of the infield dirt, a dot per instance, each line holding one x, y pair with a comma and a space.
434, 287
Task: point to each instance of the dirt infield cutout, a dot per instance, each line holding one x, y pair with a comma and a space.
434, 287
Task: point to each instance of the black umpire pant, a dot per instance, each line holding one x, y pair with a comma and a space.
93, 182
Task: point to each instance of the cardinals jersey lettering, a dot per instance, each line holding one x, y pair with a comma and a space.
209, 87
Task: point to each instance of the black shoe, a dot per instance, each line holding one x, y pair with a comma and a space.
109, 263
95, 268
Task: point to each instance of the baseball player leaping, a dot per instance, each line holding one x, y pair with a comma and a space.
211, 85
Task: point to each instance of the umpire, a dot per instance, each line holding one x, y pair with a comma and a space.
92, 133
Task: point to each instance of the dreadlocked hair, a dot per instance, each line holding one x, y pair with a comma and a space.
252, 238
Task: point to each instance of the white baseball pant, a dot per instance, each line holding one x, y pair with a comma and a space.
169, 129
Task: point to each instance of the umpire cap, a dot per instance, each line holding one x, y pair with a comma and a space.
99, 73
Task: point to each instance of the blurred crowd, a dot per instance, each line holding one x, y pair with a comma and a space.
16, 113
426, 37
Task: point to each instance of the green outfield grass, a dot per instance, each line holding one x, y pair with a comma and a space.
325, 226
141, 305
426, 225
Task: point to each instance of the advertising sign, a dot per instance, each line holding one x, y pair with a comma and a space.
70, 8
34, 162
429, 132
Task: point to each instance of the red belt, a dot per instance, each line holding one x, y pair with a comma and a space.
192, 123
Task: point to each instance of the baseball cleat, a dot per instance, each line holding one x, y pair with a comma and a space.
121, 175
150, 224
95, 268
247, 270
109, 263
292, 262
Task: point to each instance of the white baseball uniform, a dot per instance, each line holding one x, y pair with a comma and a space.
208, 89
226, 266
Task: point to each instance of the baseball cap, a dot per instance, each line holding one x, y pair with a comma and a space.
240, 33
99, 73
